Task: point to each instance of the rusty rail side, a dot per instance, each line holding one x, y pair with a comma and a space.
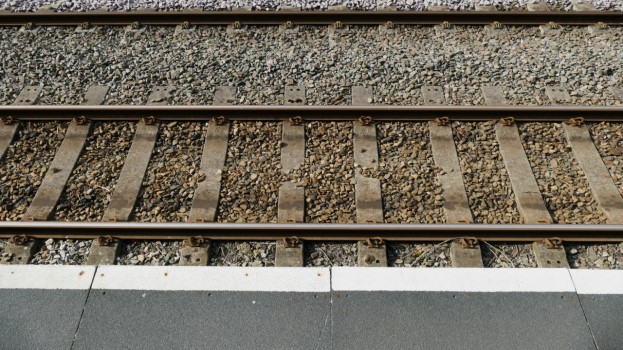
324, 232
344, 113
309, 17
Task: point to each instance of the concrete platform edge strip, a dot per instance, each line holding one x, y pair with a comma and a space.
310, 279
200, 278
598, 281
46, 277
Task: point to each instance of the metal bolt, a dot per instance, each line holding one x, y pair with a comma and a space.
601, 26
185, 25
81, 120
552, 243
291, 242
442, 121
468, 242
220, 120
28, 26
194, 241
496, 25
338, 25
446, 25
237, 25
8, 120
289, 25
296, 120
365, 120
104, 241
135, 25
389, 25
374, 242
507, 121
85, 25
151, 120
19, 240
577, 121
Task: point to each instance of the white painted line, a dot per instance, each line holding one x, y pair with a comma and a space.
46, 277
598, 281
451, 279
199, 278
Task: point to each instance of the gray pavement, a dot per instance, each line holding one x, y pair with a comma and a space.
133, 313
39, 318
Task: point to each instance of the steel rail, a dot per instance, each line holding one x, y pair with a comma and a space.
376, 112
308, 17
325, 232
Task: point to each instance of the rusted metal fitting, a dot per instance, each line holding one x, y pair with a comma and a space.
296, 120
496, 25
446, 25
338, 25
374, 242
135, 25
185, 25
81, 120
552, 243
236, 25
507, 121
220, 120
194, 241
85, 25
151, 120
390, 25
442, 121
19, 239
8, 120
365, 120
577, 121
104, 241
291, 242
28, 26
289, 25
468, 242
553, 25
601, 26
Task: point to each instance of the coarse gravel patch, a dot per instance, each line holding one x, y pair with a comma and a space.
172, 174
409, 184
25, 164
563, 186
252, 173
488, 187
419, 254
608, 139
504, 255
275, 5
328, 173
261, 60
62, 252
330, 254
256, 254
595, 256
3, 243
92, 182
155, 253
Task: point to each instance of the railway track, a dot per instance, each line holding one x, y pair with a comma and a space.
293, 127
585, 205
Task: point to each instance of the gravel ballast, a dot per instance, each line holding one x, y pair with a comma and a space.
330, 254
419, 254
505, 255
563, 186
260, 61
255, 254
608, 139
172, 174
272, 5
328, 173
92, 182
252, 173
155, 253
25, 164
595, 256
409, 185
62, 252
488, 187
